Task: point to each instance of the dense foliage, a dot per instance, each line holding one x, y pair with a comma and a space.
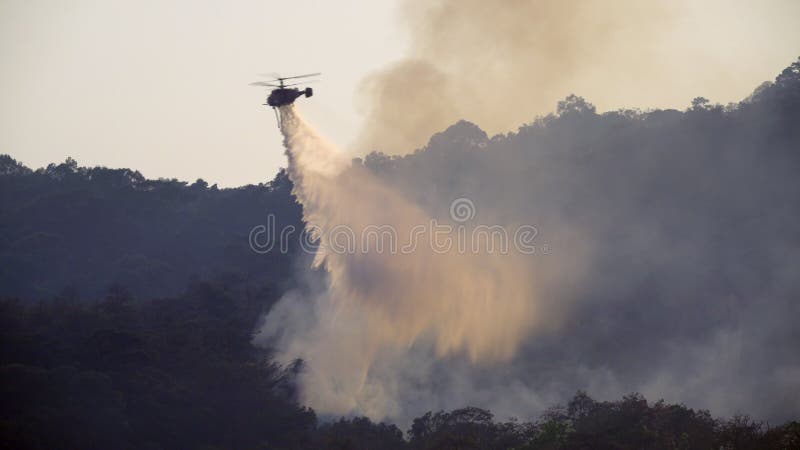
165, 373
83, 229
181, 373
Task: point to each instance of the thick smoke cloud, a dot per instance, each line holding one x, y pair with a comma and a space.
395, 286
672, 265
668, 259
501, 64
690, 288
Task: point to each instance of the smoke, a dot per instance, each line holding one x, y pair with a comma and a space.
395, 287
688, 292
669, 265
501, 65
643, 280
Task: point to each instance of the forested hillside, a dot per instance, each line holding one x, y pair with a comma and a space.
686, 223
181, 373
128, 305
79, 230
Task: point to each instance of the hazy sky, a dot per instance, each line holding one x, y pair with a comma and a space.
162, 86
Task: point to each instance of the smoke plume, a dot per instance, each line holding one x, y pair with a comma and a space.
394, 286
667, 261
499, 65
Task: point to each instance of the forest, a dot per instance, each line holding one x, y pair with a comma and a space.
128, 305
181, 372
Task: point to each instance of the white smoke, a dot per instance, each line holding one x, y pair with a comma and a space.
372, 336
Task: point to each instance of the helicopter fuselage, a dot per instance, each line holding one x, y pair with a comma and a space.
286, 96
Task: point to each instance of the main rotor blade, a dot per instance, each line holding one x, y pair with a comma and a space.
301, 76
301, 82
263, 83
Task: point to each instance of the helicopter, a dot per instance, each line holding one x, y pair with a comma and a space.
284, 94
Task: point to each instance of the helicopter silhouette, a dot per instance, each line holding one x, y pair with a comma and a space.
284, 94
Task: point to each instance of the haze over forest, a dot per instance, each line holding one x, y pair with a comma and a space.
135, 313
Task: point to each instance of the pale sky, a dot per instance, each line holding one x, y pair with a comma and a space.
162, 86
